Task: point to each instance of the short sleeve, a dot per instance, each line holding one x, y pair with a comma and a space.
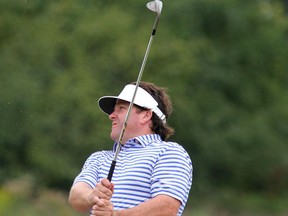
89, 173
172, 174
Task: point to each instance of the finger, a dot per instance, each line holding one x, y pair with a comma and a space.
103, 191
100, 213
98, 202
104, 210
106, 183
104, 194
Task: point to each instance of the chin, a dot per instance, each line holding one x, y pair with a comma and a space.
114, 137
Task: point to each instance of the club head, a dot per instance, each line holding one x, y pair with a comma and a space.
155, 6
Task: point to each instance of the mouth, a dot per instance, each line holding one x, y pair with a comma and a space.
114, 124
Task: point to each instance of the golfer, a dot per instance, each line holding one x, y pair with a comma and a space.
152, 176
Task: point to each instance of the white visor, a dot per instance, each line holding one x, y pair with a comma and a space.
142, 99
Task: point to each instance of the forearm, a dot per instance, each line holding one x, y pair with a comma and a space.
159, 206
79, 197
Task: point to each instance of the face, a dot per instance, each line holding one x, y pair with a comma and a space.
136, 125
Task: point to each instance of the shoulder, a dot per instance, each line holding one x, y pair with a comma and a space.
97, 157
100, 154
174, 147
175, 152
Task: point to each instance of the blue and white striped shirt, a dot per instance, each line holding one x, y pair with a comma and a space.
146, 167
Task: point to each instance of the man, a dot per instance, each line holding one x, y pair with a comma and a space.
152, 176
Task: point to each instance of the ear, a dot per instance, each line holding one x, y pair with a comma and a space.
146, 116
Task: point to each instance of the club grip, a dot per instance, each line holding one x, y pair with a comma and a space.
111, 171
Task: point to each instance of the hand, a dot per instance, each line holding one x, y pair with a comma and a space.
103, 191
103, 208
106, 183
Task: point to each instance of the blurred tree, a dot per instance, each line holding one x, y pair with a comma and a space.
224, 63
231, 90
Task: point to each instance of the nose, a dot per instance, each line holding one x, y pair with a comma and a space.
112, 115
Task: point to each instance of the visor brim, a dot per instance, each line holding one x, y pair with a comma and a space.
107, 104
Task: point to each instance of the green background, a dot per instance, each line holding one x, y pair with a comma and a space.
224, 63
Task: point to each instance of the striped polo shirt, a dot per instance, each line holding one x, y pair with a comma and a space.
146, 167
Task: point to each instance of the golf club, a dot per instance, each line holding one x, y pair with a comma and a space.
155, 6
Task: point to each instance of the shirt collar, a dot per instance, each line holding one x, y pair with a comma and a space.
147, 139
143, 141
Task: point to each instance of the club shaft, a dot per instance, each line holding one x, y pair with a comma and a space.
120, 139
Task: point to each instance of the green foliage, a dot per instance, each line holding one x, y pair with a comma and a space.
18, 196
224, 63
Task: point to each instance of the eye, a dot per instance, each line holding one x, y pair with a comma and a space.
122, 107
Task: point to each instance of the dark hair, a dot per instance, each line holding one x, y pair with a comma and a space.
164, 104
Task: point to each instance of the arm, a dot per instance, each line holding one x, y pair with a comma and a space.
161, 205
78, 197
82, 197
157, 206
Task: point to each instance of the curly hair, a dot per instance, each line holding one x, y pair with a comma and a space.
164, 104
